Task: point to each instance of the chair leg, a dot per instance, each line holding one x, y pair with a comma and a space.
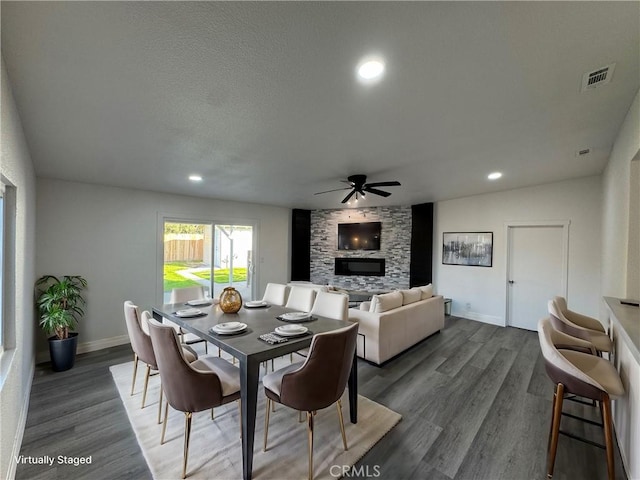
160, 406
344, 437
135, 370
310, 435
146, 384
219, 352
164, 422
266, 424
206, 347
187, 434
299, 416
608, 435
555, 429
212, 417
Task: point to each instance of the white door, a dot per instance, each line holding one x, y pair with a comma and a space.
536, 273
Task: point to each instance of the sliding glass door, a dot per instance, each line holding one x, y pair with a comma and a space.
209, 254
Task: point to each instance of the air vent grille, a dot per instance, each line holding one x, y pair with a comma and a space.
598, 77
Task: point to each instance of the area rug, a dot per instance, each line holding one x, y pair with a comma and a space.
215, 451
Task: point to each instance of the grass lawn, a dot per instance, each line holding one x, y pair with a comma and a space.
174, 280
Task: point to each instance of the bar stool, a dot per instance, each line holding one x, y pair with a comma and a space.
584, 374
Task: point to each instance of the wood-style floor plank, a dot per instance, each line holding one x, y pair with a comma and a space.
475, 400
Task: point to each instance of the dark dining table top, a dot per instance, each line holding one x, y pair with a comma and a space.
259, 321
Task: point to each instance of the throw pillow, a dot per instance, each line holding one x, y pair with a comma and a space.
427, 291
411, 296
386, 301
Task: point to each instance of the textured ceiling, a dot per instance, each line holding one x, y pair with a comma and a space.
261, 99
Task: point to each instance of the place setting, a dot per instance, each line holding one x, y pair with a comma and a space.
189, 313
256, 304
296, 317
283, 333
229, 328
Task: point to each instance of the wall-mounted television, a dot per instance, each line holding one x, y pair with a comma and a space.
359, 236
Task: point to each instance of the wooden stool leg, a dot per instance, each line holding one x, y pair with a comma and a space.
555, 428
608, 435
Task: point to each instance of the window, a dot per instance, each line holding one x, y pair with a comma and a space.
7, 265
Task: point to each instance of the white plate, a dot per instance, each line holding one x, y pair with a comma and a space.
225, 331
294, 315
188, 312
293, 328
229, 325
290, 333
196, 303
256, 304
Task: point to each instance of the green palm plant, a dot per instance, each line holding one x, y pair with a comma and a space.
60, 303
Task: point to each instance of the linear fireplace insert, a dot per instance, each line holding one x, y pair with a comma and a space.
360, 266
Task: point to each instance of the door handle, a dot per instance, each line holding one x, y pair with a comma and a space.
511, 281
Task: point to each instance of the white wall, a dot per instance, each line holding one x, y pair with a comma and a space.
615, 214
484, 288
16, 364
110, 236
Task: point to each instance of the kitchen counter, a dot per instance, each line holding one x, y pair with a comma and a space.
625, 332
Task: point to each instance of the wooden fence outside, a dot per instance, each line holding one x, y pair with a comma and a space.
183, 249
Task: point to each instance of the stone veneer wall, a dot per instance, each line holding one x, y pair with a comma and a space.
395, 247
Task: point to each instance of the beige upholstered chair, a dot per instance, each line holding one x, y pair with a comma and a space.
206, 383
574, 368
275, 294
588, 328
142, 347
301, 298
183, 295
316, 383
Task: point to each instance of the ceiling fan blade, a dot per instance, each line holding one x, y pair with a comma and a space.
346, 199
334, 190
375, 191
383, 184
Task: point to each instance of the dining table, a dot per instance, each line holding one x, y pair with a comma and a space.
250, 351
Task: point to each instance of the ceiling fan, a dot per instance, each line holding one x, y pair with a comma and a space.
360, 186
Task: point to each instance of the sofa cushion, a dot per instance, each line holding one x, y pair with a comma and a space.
427, 291
385, 302
411, 296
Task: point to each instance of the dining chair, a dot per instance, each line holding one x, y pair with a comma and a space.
206, 383
588, 329
575, 369
275, 294
330, 305
316, 383
183, 295
143, 348
301, 298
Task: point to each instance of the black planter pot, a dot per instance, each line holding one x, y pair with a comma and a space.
63, 352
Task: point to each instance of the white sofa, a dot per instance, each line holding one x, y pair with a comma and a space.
393, 322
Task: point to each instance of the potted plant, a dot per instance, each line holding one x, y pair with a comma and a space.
60, 302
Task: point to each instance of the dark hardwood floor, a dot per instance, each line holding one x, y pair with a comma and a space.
475, 400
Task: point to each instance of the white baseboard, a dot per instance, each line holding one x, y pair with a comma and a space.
22, 422
90, 346
490, 319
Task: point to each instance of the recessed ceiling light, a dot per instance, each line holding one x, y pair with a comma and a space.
370, 70
195, 178
494, 176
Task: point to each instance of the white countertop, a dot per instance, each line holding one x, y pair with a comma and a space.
626, 319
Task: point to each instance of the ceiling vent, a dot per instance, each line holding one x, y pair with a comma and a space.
598, 77
583, 152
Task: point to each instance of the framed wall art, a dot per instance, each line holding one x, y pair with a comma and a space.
473, 249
